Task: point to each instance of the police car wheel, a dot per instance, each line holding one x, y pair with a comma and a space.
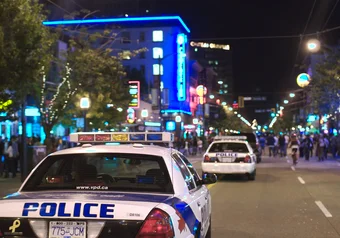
252, 175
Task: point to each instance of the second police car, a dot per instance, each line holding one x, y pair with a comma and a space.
113, 190
230, 155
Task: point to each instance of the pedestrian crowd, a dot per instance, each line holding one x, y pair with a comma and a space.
11, 159
318, 145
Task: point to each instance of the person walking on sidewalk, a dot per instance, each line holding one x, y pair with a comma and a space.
321, 147
10, 161
271, 144
2, 157
282, 144
307, 144
15, 155
200, 146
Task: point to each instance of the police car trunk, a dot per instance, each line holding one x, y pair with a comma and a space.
89, 192
229, 155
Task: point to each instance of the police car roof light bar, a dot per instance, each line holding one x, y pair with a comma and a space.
129, 137
230, 138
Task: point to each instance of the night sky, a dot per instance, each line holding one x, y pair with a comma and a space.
260, 65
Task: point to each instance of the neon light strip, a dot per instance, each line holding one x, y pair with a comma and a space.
147, 123
181, 67
176, 111
112, 20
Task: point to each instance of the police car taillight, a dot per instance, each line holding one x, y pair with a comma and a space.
39, 227
157, 225
247, 159
206, 158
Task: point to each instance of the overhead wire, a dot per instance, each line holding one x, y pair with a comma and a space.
330, 14
58, 6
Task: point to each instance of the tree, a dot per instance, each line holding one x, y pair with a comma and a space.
325, 84
85, 69
228, 120
25, 46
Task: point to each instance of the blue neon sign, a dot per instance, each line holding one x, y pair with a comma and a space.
181, 67
114, 20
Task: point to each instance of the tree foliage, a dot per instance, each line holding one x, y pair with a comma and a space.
25, 46
86, 68
325, 84
228, 120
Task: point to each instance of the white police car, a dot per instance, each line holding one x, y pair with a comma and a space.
230, 155
111, 190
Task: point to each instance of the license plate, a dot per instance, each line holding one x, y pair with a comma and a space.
228, 160
67, 229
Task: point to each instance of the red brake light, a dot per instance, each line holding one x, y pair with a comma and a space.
247, 159
206, 158
157, 225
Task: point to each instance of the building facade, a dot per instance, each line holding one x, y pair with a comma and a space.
164, 64
215, 58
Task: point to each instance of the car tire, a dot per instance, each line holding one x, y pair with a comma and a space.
252, 176
208, 235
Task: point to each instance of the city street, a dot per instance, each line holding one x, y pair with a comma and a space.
283, 201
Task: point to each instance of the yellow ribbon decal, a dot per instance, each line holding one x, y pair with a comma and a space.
16, 224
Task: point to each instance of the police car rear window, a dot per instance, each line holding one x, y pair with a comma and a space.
102, 172
229, 147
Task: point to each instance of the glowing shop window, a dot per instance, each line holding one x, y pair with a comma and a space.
156, 69
157, 36
157, 53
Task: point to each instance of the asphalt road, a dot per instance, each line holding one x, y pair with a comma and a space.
283, 201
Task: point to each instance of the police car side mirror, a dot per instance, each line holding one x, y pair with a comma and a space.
209, 178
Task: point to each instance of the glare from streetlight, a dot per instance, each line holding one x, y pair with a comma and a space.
313, 45
292, 95
230, 108
285, 101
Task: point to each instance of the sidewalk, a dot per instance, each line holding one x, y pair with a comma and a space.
9, 185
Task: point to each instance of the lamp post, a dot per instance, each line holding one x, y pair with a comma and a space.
85, 105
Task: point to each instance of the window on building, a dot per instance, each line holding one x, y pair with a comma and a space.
126, 37
157, 53
157, 36
142, 55
156, 69
141, 36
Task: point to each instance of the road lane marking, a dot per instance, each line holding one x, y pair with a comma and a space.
293, 168
301, 180
323, 209
209, 186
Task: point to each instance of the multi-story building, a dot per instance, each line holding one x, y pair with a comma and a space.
216, 58
164, 64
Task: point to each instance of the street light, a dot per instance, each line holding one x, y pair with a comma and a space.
292, 95
85, 105
313, 45
285, 101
